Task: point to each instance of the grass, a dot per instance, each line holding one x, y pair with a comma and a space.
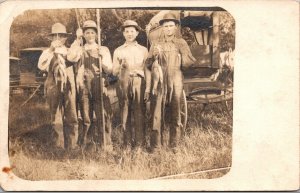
207, 145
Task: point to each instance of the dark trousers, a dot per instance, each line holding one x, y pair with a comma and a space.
131, 98
66, 102
166, 107
89, 105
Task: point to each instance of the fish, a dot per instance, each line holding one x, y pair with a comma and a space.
157, 76
124, 77
59, 71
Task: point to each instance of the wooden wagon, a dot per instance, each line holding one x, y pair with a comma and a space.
25, 77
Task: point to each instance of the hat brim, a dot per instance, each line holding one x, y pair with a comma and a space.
165, 20
66, 34
85, 28
138, 28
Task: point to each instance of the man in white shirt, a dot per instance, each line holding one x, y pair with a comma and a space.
60, 88
129, 65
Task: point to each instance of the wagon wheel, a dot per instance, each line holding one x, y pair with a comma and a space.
228, 102
184, 113
228, 84
229, 107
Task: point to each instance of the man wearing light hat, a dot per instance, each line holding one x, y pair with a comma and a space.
129, 65
173, 54
60, 85
88, 83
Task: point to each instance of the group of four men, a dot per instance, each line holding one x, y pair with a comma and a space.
74, 73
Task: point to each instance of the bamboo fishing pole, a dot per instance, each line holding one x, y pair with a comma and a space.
78, 65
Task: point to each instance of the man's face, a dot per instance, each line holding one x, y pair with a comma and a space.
169, 28
59, 38
90, 35
130, 34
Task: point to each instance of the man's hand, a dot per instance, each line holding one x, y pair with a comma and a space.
124, 63
79, 33
96, 69
55, 44
146, 97
102, 52
157, 50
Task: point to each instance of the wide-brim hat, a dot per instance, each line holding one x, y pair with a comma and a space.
169, 17
59, 28
89, 24
131, 23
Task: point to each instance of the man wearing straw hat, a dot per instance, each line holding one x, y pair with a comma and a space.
173, 54
88, 84
129, 64
60, 85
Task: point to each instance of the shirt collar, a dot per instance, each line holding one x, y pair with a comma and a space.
173, 39
127, 44
91, 46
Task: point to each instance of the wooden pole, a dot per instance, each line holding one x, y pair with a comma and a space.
215, 56
75, 70
77, 17
101, 125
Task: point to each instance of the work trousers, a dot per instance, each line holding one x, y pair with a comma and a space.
89, 105
66, 102
131, 99
166, 107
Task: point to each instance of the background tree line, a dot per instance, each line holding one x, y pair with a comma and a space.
31, 28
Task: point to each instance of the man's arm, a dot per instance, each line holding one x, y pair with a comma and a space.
106, 60
74, 52
147, 72
45, 59
187, 59
150, 58
116, 63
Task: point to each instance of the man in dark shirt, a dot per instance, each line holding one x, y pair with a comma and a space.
173, 54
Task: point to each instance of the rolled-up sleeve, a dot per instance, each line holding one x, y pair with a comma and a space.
74, 52
147, 72
45, 59
116, 63
187, 59
106, 60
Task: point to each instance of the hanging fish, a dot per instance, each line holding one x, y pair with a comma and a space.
59, 71
124, 76
157, 76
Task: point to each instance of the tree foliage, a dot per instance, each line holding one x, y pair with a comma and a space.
31, 28
227, 31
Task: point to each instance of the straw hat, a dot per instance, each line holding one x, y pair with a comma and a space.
169, 17
58, 28
131, 23
89, 24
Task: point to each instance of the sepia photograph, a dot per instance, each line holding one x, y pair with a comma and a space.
149, 96
121, 93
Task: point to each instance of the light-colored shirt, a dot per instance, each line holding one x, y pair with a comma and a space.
134, 55
47, 55
75, 52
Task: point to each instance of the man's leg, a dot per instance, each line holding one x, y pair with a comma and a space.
53, 100
138, 111
107, 116
156, 112
124, 104
175, 111
70, 116
107, 111
84, 106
